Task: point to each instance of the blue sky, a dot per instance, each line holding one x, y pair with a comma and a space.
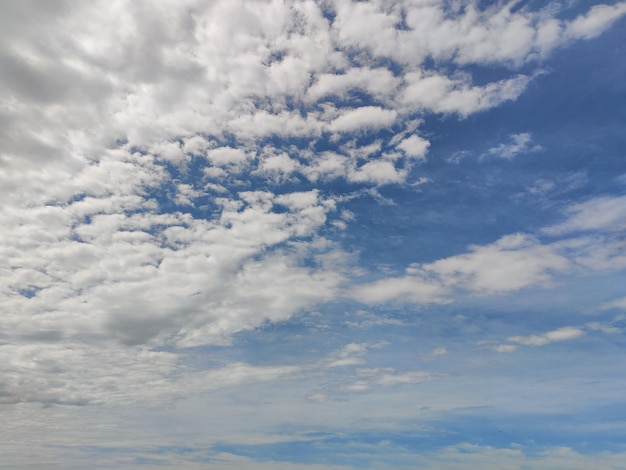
313, 235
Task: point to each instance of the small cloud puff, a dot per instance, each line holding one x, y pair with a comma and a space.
414, 146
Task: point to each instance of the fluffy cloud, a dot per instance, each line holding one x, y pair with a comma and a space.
414, 146
595, 21
515, 261
429, 91
147, 158
89, 264
235, 66
511, 263
367, 117
602, 213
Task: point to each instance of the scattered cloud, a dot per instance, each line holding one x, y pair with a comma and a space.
561, 334
614, 304
600, 213
180, 180
414, 146
440, 351
521, 145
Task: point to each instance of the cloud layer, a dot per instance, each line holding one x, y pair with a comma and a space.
182, 178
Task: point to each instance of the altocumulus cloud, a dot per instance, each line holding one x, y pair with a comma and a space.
178, 175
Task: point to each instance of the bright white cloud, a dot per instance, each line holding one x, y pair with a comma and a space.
595, 21
367, 117
511, 263
380, 172
429, 91
380, 83
414, 146
515, 261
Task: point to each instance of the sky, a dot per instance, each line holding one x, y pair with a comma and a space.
305, 235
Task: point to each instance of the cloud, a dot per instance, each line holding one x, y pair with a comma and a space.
378, 82
72, 374
172, 175
565, 333
505, 348
430, 91
560, 334
403, 289
498, 33
367, 117
600, 213
368, 378
511, 263
598, 19
521, 145
470, 455
440, 351
278, 165
617, 303
515, 261
351, 354
380, 172
414, 146
180, 277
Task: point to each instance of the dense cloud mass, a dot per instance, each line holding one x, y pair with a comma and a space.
176, 175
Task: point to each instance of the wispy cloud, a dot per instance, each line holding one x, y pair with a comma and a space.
521, 144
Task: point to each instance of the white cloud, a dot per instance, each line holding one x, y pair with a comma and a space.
108, 106
379, 82
279, 165
440, 351
380, 172
603, 327
560, 334
511, 263
601, 213
597, 20
521, 145
368, 378
178, 276
350, 355
430, 91
328, 165
617, 303
515, 261
359, 119
402, 289
72, 374
504, 348
224, 156
469, 35
414, 146
185, 194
